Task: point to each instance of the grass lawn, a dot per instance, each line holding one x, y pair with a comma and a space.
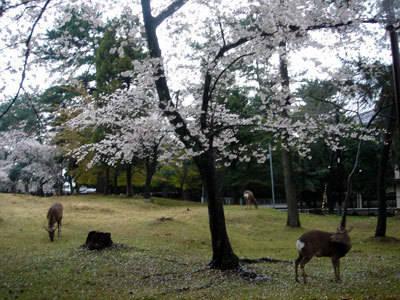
167, 259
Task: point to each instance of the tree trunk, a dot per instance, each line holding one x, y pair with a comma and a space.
394, 43
380, 230
293, 219
223, 256
71, 187
129, 190
107, 181
115, 181
40, 191
185, 169
381, 187
77, 187
151, 166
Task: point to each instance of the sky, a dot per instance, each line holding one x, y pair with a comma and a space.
309, 61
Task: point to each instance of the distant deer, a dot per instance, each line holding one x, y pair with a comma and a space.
320, 243
54, 215
250, 199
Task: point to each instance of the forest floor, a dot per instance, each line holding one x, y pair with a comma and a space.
163, 248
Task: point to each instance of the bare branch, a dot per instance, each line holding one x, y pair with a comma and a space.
4, 8
35, 111
228, 47
27, 53
222, 31
293, 28
337, 25
170, 10
225, 69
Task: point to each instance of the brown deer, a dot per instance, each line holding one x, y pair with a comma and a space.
54, 215
250, 199
320, 243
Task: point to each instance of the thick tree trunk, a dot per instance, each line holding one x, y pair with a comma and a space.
223, 256
129, 189
394, 43
293, 219
380, 230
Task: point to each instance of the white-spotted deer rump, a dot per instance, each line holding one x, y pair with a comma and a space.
54, 215
250, 199
320, 243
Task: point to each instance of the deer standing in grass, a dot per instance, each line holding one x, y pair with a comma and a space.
54, 215
320, 243
250, 199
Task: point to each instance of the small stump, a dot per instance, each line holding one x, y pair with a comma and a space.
97, 240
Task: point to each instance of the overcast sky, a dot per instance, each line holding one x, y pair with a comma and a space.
310, 61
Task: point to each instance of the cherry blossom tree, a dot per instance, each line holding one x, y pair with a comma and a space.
33, 163
135, 132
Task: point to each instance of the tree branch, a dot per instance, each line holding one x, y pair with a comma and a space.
170, 10
35, 111
165, 102
4, 8
335, 25
225, 69
27, 53
231, 46
222, 31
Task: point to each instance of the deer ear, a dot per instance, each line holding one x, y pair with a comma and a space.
45, 228
350, 229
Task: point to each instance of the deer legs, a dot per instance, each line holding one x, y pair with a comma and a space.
336, 268
301, 260
59, 229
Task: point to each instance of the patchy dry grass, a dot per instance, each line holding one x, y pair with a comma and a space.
166, 247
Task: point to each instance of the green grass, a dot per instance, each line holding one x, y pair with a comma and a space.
167, 259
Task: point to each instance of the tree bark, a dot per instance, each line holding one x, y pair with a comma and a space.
293, 219
380, 230
394, 43
129, 190
223, 257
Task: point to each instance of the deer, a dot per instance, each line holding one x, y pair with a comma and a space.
54, 215
322, 244
250, 199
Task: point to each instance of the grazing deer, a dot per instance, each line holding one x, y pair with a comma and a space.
54, 215
320, 243
250, 199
